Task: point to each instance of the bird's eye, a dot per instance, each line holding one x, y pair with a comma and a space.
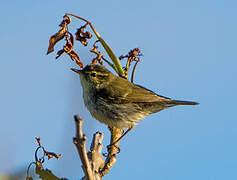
93, 74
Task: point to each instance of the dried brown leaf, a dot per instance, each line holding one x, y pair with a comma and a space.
59, 53
70, 42
68, 49
87, 35
60, 34
83, 36
99, 55
82, 40
132, 55
66, 20
75, 57
51, 155
55, 38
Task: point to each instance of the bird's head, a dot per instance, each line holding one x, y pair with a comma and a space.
94, 76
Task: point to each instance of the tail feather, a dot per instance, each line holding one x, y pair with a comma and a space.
177, 102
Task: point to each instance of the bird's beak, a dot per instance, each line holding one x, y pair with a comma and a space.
76, 70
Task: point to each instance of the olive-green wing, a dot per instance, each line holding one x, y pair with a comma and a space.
124, 91
141, 94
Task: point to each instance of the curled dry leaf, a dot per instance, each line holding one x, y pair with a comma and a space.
99, 55
83, 36
132, 55
46, 153
60, 34
55, 38
52, 154
136, 52
68, 48
59, 53
66, 20
75, 57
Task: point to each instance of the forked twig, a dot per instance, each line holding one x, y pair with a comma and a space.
93, 164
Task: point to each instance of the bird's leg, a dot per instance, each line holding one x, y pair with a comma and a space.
126, 132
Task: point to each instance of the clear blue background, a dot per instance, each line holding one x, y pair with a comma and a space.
189, 52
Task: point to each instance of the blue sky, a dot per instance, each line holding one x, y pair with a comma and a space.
189, 52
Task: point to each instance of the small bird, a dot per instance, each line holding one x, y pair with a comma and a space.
116, 102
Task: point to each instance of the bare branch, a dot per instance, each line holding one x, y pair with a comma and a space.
95, 156
113, 150
93, 163
80, 142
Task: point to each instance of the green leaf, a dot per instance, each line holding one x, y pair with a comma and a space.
117, 65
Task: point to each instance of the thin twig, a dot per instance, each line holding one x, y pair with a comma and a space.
134, 69
109, 63
112, 151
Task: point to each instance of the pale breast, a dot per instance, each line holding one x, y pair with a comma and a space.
121, 116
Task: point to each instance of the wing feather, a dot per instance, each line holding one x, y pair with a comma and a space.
120, 91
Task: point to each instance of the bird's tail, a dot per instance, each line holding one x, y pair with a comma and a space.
177, 102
